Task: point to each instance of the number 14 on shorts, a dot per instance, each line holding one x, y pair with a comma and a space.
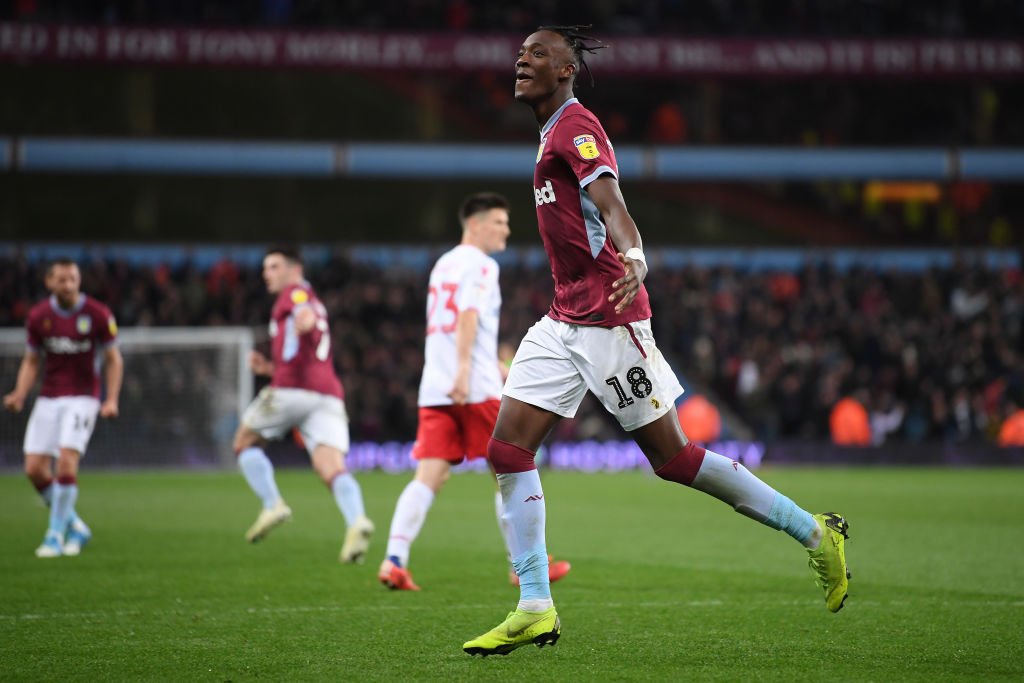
639, 386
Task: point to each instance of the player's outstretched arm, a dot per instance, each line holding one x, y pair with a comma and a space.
305, 320
625, 236
28, 372
113, 374
465, 334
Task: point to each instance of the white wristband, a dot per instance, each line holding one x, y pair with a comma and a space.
637, 254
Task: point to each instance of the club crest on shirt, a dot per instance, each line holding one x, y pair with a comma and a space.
83, 324
586, 145
47, 324
540, 150
299, 296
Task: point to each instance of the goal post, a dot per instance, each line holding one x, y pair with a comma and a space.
184, 391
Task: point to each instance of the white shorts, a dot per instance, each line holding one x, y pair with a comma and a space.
557, 362
320, 419
61, 422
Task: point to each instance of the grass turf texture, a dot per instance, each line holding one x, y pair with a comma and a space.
667, 583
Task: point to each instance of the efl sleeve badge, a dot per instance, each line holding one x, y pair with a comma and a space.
586, 145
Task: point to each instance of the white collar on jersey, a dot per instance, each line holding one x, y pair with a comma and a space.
67, 312
554, 117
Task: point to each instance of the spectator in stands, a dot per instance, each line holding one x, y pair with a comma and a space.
700, 419
1011, 433
849, 423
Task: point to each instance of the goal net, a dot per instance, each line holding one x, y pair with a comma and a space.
183, 393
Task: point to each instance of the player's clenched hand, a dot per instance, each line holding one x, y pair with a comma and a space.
260, 364
628, 286
460, 392
109, 409
13, 402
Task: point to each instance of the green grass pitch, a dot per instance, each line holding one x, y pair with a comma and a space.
667, 583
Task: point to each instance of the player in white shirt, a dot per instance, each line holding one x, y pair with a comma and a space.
460, 388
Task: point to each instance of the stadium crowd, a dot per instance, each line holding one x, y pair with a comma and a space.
933, 355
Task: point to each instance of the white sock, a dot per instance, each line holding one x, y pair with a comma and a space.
348, 496
259, 472
503, 525
73, 519
523, 510
64, 497
410, 513
732, 483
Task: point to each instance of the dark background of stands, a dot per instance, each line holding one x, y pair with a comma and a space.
946, 18
934, 355
279, 104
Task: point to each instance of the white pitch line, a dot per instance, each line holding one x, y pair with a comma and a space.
301, 609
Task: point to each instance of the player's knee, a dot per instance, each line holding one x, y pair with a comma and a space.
507, 458
684, 466
67, 467
434, 479
328, 479
38, 471
244, 438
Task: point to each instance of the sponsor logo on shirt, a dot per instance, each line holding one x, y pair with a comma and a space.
586, 145
66, 345
544, 195
83, 324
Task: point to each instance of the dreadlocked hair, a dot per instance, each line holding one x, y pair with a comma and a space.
578, 43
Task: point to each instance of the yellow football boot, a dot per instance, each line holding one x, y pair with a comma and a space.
519, 628
828, 560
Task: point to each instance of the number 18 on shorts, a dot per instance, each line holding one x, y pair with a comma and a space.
558, 362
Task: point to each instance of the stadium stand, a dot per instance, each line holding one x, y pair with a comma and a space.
934, 351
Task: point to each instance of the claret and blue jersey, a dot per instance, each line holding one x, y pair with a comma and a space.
575, 151
72, 341
303, 361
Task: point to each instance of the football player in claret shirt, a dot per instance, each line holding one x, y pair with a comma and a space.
597, 336
462, 377
305, 395
70, 334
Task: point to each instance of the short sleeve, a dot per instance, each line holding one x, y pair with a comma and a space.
289, 300
582, 143
35, 340
477, 286
107, 328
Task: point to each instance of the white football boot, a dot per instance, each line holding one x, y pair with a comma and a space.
357, 541
78, 535
268, 519
52, 545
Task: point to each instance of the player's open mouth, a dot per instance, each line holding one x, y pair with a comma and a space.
523, 77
